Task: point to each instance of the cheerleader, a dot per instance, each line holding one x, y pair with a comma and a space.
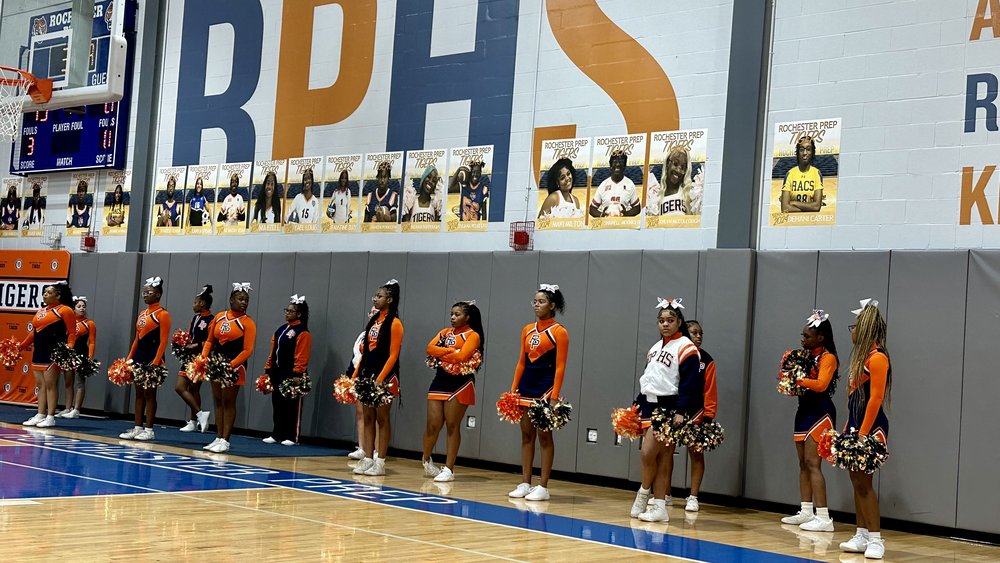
86, 338
870, 384
711, 401
450, 395
289, 358
190, 391
359, 418
815, 415
152, 333
539, 375
53, 324
231, 334
380, 360
672, 382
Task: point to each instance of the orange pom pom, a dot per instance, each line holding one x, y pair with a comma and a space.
626, 422
264, 384
343, 390
197, 369
10, 351
509, 407
120, 372
825, 446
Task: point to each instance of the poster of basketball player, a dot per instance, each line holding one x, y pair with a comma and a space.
80, 210
199, 195
563, 183
380, 194
303, 209
231, 196
804, 172
618, 168
469, 173
33, 210
11, 206
341, 193
168, 201
117, 186
268, 196
424, 191
675, 185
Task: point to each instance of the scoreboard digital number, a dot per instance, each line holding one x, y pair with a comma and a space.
93, 136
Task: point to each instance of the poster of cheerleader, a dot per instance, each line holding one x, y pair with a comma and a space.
302, 195
618, 168
424, 191
804, 173
341, 193
380, 194
675, 185
199, 194
117, 192
231, 196
168, 201
564, 180
267, 193
11, 214
33, 211
469, 172
80, 210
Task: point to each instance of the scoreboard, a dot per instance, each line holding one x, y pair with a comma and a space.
93, 136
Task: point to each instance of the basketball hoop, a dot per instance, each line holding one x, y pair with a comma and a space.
14, 82
88, 242
521, 238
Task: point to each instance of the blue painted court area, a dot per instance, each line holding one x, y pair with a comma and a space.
47, 465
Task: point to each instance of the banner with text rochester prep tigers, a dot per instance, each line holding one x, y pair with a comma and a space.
23, 274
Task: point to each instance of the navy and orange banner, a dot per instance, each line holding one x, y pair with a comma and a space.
23, 274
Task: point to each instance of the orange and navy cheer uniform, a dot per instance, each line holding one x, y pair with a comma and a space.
380, 357
86, 337
542, 365
816, 413
198, 329
868, 417
453, 345
710, 396
51, 325
291, 345
152, 332
672, 380
232, 334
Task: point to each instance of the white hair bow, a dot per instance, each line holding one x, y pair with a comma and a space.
865, 303
393, 281
469, 301
155, 281
298, 299
62, 282
79, 298
242, 286
550, 287
817, 318
674, 303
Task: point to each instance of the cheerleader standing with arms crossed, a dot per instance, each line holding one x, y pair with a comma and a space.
450, 395
870, 385
711, 402
53, 324
539, 375
190, 391
152, 332
380, 360
231, 334
86, 339
291, 345
672, 381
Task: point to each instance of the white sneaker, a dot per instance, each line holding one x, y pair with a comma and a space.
377, 468
357, 454
220, 446
131, 433
211, 444
445, 476
431, 470
72, 414
63, 413
875, 549
146, 435
538, 492
288, 443
34, 420
655, 513
692, 504
818, 524
46, 422
269, 440
857, 544
520, 491
799, 517
639, 506
189, 427
202, 417
363, 465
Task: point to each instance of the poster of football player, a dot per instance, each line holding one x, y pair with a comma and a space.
117, 186
303, 208
804, 173
231, 196
341, 193
380, 194
619, 166
268, 194
80, 209
469, 173
11, 214
563, 183
424, 191
675, 185
199, 194
33, 210
168, 201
